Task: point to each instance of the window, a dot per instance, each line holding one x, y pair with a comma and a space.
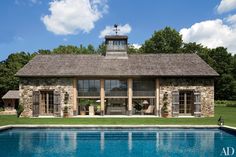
118, 45
115, 88
88, 87
144, 87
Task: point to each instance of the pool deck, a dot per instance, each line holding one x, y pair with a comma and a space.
229, 128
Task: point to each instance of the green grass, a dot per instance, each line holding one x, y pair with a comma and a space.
228, 113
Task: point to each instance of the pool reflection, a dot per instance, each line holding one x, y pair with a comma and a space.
55, 142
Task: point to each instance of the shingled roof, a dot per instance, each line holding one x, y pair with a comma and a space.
136, 65
12, 94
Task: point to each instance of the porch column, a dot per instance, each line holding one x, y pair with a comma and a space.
130, 96
157, 94
102, 96
74, 96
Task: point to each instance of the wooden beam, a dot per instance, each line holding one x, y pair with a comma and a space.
130, 95
75, 96
102, 96
157, 94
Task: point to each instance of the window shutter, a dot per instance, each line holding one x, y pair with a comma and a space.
175, 103
197, 103
36, 103
57, 102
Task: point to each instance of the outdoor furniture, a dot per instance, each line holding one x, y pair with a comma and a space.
149, 110
91, 110
114, 110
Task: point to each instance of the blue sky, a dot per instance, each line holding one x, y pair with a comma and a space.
29, 25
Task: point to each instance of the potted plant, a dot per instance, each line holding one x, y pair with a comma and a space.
164, 109
65, 112
82, 105
19, 110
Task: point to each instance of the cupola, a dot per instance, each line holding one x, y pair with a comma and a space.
116, 45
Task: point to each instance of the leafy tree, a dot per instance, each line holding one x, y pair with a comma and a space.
167, 40
225, 88
234, 67
8, 69
101, 49
69, 49
41, 51
223, 60
91, 49
133, 50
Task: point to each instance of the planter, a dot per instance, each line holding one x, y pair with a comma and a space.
165, 115
65, 112
65, 115
82, 113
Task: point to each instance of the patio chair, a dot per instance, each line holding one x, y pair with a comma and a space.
149, 110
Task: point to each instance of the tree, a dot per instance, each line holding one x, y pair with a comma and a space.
223, 60
133, 50
69, 49
90, 49
8, 69
225, 88
167, 40
234, 67
101, 49
41, 51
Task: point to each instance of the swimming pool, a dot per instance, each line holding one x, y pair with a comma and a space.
54, 142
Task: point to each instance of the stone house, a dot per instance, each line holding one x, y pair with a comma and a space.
117, 83
11, 102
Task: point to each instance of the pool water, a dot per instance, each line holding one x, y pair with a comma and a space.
116, 143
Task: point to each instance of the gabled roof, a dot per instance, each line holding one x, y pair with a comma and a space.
65, 65
12, 94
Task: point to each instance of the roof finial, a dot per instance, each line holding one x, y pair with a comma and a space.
116, 28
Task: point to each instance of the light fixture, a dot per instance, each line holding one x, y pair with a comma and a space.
145, 102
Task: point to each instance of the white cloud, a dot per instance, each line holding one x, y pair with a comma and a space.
226, 6
212, 33
109, 30
73, 16
231, 20
136, 46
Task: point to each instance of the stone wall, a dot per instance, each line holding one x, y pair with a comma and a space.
203, 85
61, 85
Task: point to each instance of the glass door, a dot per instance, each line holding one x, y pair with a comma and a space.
186, 102
46, 102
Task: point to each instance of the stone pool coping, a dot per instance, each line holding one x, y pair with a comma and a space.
225, 127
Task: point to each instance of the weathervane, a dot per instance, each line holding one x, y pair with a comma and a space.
116, 28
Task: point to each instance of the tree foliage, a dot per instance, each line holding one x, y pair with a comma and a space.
167, 40
8, 69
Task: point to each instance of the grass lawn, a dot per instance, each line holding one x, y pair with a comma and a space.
228, 113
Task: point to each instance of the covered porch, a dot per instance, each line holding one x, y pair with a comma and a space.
117, 97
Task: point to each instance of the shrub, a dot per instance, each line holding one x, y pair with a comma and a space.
225, 103
2, 109
20, 109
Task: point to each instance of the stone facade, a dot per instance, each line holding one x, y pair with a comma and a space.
203, 85
60, 85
